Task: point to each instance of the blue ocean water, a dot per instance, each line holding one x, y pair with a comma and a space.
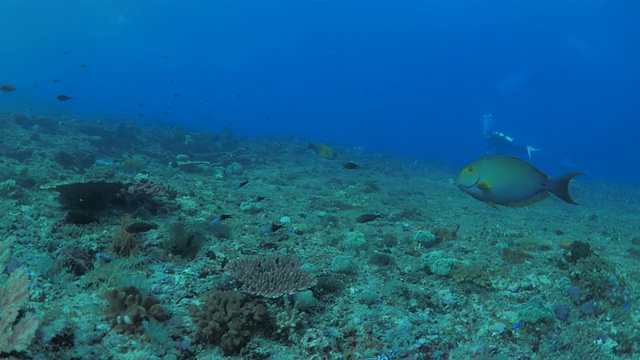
411, 78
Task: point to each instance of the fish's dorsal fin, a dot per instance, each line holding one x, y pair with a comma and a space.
529, 165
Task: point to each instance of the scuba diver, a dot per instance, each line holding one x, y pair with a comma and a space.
499, 142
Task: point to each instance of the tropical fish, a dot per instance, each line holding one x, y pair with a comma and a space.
7, 88
140, 227
351, 165
220, 218
63, 97
238, 186
322, 150
271, 229
104, 257
510, 181
367, 218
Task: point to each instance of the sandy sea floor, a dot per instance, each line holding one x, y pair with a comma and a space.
135, 265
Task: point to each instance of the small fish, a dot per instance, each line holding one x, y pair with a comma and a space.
271, 229
63, 97
322, 150
65, 52
104, 257
79, 217
190, 240
367, 218
140, 227
219, 219
176, 95
512, 182
350, 165
84, 66
517, 325
242, 184
56, 81
7, 88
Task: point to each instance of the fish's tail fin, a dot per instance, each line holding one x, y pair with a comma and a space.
560, 186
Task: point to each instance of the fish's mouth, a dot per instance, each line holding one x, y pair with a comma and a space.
468, 186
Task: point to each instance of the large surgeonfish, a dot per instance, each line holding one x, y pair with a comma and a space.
510, 181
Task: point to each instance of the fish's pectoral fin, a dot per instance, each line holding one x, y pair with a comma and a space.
484, 185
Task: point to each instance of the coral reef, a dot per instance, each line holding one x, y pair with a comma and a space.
148, 218
128, 308
228, 319
271, 276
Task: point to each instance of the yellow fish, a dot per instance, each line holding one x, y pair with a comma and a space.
510, 181
322, 150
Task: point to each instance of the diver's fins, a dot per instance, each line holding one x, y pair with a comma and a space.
530, 149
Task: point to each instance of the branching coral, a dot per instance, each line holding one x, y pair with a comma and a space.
128, 308
228, 319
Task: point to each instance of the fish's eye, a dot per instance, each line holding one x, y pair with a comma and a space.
470, 169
